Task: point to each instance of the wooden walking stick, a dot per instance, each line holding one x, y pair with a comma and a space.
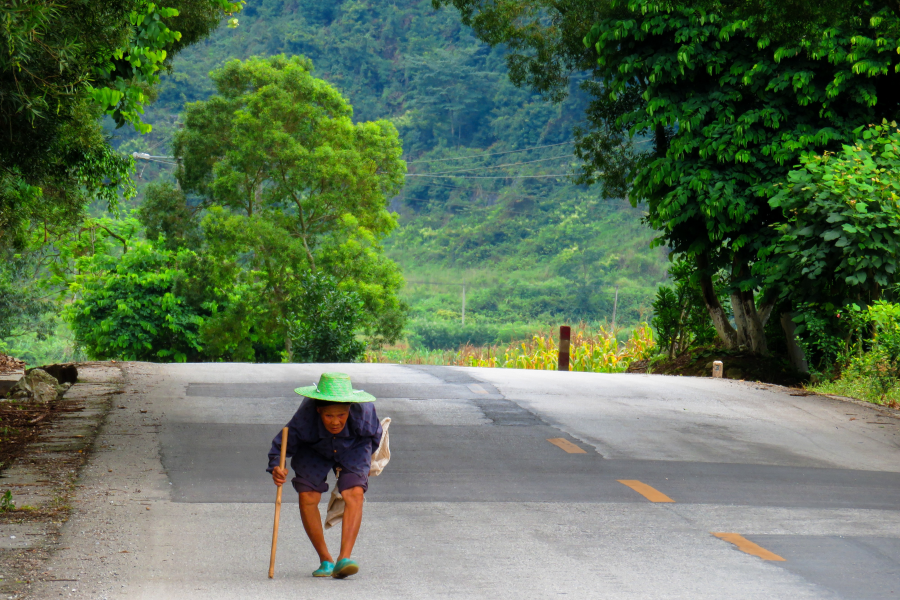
284, 437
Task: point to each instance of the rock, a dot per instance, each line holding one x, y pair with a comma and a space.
734, 373
38, 385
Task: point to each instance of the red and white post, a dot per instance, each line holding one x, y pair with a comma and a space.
565, 336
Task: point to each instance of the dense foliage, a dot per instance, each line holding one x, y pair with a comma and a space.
729, 115
488, 199
61, 68
127, 307
840, 239
702, 110
267, 249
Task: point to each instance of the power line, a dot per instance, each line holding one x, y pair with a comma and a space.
527, 162
415, 162
484, 177
145, 156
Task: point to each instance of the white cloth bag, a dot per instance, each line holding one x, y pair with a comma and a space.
380, 459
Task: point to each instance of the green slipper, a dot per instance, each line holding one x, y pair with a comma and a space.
344, 568
324, 570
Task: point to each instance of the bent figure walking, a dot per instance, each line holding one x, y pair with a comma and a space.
335, 428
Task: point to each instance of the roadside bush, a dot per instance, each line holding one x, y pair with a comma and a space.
824, 331
328, 321
885, 319
450, 336
127, 308
680, 317
872, 365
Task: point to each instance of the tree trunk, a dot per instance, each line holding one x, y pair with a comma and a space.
750, 326
765, 311
740, 319
755, 332
719, 319
288, 347
795, 352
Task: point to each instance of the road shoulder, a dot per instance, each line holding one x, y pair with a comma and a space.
43, 480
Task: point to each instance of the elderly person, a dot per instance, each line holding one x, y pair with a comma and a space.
335, 428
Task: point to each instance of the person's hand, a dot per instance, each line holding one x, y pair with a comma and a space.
279, 475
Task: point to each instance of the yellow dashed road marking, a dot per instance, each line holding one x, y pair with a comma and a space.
477, 388
745, 545
650, 493
566, 445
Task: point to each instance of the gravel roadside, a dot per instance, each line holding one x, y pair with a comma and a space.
115, 497
43, 480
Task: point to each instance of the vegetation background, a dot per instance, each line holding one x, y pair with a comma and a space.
533, 248
525, 128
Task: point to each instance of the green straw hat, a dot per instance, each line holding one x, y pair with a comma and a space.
335, 387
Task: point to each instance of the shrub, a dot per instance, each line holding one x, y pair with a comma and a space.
872, 365
328, 319
127, 308
450, 336
680, 316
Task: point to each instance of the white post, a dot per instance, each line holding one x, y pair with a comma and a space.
615, 306
464, 305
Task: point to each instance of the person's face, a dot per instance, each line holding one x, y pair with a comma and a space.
334, 417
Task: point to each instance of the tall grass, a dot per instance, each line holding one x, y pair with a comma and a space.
595, 351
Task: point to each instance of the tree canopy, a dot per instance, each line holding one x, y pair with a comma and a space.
292, 192
702, 110
62, 67
839, 242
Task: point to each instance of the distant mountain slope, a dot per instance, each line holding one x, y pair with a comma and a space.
487, 199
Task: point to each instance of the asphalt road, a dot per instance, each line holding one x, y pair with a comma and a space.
502, 484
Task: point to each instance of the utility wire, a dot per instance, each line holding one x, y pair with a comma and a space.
416, 162
484, 177
433, 283
527, 162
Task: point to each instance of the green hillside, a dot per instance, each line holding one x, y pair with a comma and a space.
488, 200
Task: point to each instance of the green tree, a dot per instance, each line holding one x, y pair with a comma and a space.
278, 148
61, 68
839, 242
723, 112
837, 246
